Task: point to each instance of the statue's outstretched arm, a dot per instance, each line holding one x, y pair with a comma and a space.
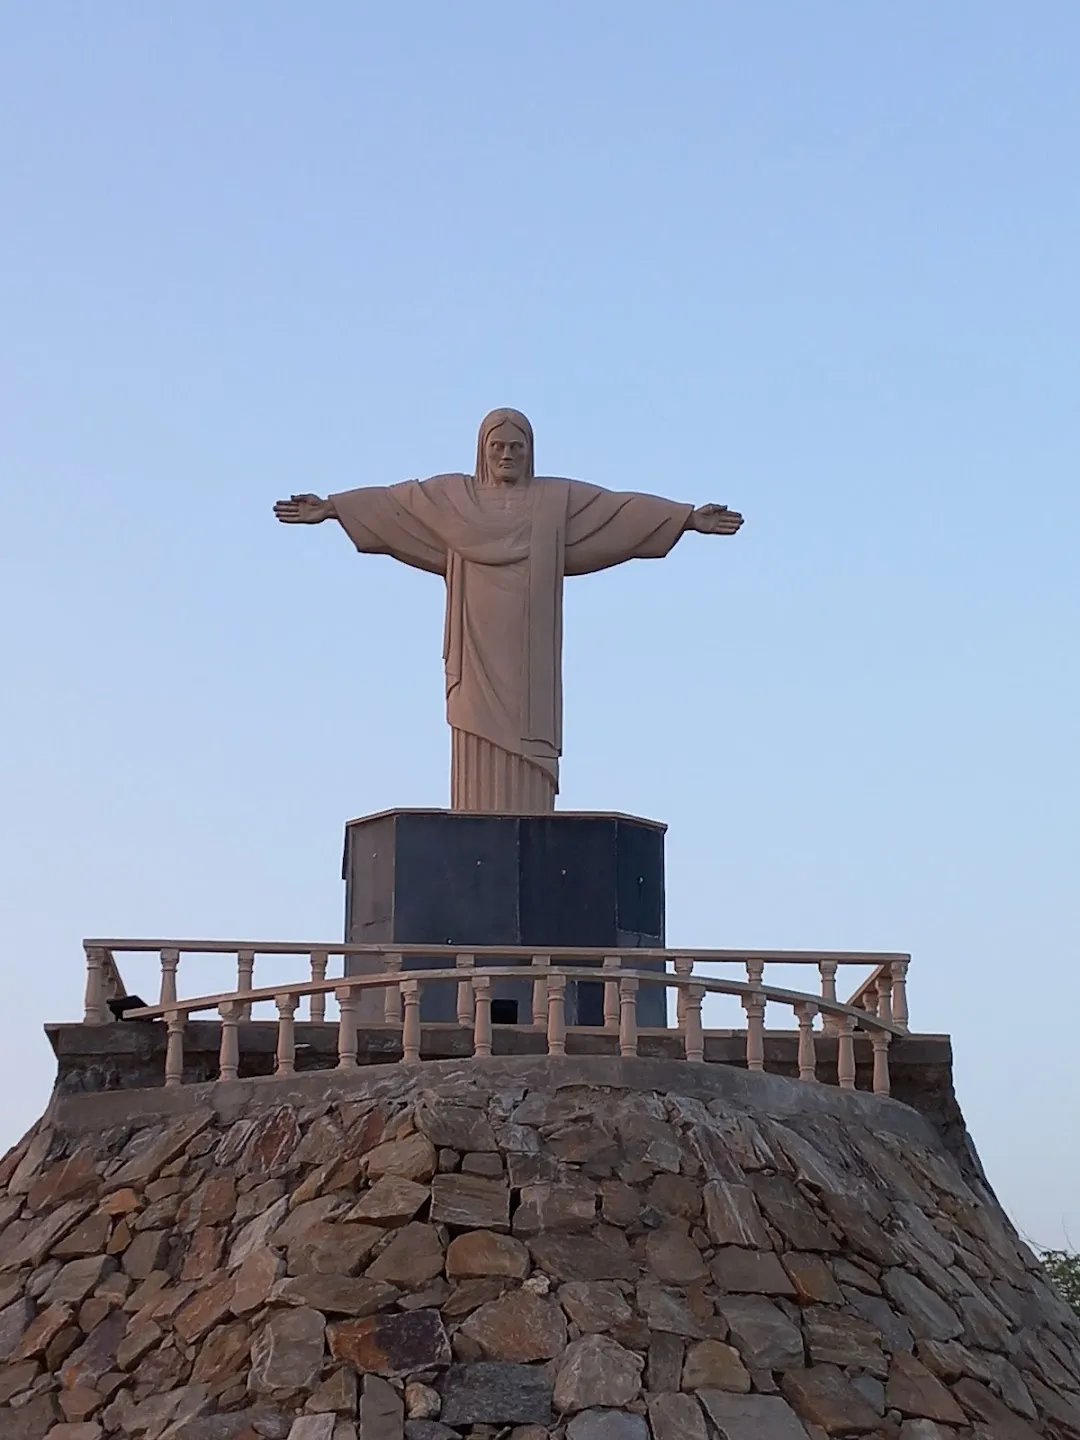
304, 510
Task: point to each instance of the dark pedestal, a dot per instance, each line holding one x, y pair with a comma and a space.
440, 877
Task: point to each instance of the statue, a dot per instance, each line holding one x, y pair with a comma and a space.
504, 538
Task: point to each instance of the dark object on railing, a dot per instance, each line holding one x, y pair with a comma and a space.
121, 1006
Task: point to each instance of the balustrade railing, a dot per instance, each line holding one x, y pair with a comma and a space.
878, 1007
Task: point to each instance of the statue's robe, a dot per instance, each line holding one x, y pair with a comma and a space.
504, 550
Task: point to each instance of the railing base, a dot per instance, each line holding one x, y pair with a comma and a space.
130, 1056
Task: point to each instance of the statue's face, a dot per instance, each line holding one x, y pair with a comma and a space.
506, 452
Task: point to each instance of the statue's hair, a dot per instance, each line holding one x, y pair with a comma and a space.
491, 422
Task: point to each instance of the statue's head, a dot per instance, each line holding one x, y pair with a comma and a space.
504, 451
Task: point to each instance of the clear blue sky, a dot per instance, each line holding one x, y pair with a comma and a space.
816, 261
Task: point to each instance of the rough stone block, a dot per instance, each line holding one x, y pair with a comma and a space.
487, 1393
472, 1202
607, 1425
676, 1417
594, 1306
254, 1236
381, 1411
674, 1258
825, 1397
712, 1365
422, 1402
813, 1280
915, 1392
596, 1371
927, 1314
336, 1394
668, 1310
429, 1430
392, 1345
413, 1257
750, 1272
751, 1417
833, 1338
664, 1365
479, 1253
732, 1215
413, 1158
547, 1206
518, 1327
88, 1238
455, 1127
581, 1257
784, 1204
390, 1201
15, 1321
765, 1337
313, 1427
334, 1294
287, 1353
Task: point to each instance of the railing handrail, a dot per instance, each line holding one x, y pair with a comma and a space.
709, 984
282, 947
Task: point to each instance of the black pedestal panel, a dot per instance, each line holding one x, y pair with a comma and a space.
440, 877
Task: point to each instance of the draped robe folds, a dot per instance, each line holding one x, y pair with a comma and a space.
504, 550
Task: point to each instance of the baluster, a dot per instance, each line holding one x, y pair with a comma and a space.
95, 1011
245, 978
229, 1055
467, 965
899, 993
317, 1004
628, 987
170, 961
684, 968
410, 1030
807, 1048
693, 1035
286, 1034
112, 984
540, 992
827, 969
174, 1048
879, 1039
845, 1054
482, 1024
346, 998
612, 1001
884, 996
754, 1005
556, 1016
392, 992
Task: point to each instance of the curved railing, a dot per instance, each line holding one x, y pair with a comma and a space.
401, 992
884, 993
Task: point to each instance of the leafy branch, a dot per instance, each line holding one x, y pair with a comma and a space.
1063, 1268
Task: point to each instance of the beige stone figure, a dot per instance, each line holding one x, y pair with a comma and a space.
504, 538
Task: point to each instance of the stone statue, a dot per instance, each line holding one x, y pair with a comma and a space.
504, 538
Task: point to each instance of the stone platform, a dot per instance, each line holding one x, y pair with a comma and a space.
641, 1249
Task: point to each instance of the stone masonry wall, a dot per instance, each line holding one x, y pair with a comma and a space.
587, 1248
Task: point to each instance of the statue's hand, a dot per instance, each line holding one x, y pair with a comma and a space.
304, 510
715, 520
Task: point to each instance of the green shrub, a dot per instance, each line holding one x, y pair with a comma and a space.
1063, 1267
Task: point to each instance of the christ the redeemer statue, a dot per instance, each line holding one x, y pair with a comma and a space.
504, 538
